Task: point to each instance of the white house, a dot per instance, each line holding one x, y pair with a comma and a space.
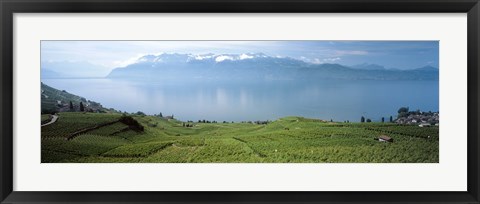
424, 125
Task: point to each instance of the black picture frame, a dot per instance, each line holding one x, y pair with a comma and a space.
10, 7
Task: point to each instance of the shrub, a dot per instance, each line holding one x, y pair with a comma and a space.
132, 123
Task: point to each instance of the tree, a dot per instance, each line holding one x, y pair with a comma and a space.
172, 116
160, 115
383, 119
403, 110
391, 119
362, 119
418, 112
81, 107
368, 120
71, 106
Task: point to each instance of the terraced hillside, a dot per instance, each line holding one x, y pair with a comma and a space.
54, 100
104, 138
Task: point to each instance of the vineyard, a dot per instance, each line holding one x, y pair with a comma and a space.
286, 140
68, 123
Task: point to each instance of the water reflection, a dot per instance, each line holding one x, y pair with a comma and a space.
234, 101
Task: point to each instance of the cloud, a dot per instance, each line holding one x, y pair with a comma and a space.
132, 60
222, 58
245, 56
202, 57
320, 61
350, 52
334, 59
316, 61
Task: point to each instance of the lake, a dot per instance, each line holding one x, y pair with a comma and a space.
339, 100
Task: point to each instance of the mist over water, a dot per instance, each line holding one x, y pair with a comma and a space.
339, 100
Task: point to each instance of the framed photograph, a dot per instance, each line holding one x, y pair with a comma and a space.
239, 101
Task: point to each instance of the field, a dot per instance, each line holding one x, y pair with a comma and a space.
100, 137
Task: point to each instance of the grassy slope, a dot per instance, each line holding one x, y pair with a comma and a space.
290, 139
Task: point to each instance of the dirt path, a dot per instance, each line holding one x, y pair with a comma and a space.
54, 119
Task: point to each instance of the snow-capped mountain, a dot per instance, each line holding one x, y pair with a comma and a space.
186, 58
367, 66
255, 66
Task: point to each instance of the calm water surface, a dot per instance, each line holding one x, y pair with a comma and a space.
339, 100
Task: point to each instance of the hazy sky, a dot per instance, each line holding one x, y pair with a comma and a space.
112, 54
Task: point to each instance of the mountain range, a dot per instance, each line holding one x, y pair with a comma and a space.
257, 66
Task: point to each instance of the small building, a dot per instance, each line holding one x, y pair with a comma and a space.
424, 125
384, 138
